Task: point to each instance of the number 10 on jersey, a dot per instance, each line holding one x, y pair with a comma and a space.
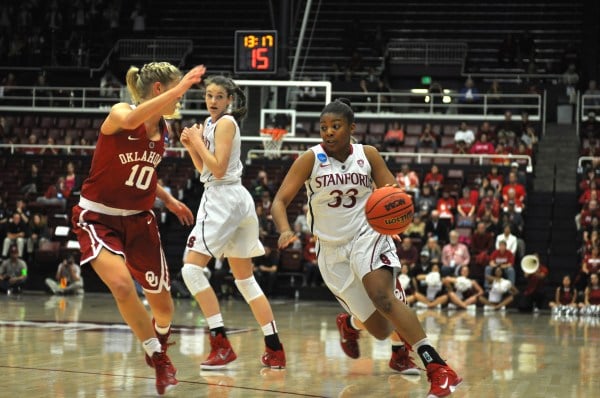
255, 51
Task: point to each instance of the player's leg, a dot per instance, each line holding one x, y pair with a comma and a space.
380, 328
111, 268
193, 275
161, 305
242, 268
378, 287
113, 271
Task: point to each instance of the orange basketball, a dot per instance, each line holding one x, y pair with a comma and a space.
389, 210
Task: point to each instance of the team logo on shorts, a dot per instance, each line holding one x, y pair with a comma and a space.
151, 278
399, 292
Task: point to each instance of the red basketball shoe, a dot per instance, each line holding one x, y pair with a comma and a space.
443, 380
403, 363
164, 343
273, 359
348, 336
165, 372
220, 355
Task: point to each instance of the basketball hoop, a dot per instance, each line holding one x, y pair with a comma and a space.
272, 140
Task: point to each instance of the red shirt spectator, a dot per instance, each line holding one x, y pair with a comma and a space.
589, 194
513, 199
512, 183
589, 212
591, 262
408, 179
434, 178
502, 256
465, 205
446, 206
394, 136
482, 146
589, 177
495, 178
492, 202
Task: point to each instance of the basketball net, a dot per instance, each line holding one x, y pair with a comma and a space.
272, 140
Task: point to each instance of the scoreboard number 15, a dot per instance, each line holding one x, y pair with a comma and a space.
255, 51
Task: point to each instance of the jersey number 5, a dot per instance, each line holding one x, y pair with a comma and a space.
142, 179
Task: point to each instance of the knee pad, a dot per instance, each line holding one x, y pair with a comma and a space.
194, 278
249, 288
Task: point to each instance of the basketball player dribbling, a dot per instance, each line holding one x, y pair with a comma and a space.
226, 223
116, 228
356, 263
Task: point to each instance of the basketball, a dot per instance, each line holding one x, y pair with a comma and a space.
389, 210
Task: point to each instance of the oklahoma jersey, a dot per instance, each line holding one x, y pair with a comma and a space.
337, 193
123, 171
234, 168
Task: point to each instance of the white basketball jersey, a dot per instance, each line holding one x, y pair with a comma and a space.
235, 167
337, 193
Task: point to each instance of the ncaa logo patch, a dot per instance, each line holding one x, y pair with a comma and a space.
322, 157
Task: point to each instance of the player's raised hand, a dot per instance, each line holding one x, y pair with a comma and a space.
194, 76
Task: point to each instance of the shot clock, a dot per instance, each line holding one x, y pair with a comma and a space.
255, 51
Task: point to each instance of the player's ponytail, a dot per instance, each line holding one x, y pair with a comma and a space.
131, 78
340, 106
139, 81
240, 111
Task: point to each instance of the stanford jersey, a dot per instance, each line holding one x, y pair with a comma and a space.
234, 168
123, 175
337, 193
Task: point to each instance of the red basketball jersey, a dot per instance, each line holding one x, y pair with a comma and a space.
123, 171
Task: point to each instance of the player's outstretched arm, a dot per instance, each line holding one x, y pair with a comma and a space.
183, 213
298, 173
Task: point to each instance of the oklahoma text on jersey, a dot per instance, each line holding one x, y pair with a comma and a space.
147, 156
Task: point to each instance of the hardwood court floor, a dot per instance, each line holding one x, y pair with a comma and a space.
80, 347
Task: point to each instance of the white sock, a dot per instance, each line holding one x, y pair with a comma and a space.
353, 323
162, 330
420, 343
151, 346
215, 321
269, 329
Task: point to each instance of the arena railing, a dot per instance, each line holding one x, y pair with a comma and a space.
585, 161
255, 153
480, 160
415, 102
416, 105
420, 103
586, 103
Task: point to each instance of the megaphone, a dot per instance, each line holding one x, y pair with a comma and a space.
530, 264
